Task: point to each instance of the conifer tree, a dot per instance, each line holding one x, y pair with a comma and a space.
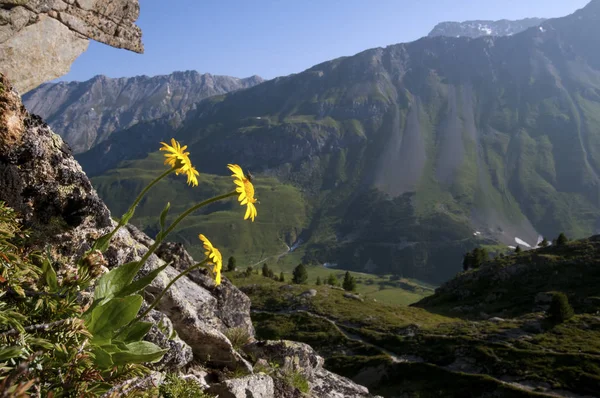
300, 275
349, 283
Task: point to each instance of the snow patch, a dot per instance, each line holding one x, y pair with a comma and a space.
542, 29
522, 242
476, 233
512, 247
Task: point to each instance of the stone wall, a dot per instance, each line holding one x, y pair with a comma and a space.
40, 39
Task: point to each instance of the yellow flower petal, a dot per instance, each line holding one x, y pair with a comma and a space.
177, 157
245, 188
214, 256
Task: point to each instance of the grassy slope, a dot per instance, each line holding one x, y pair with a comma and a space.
519, 355
282, 212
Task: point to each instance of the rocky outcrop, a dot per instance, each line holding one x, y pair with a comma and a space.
40, 39
86, 114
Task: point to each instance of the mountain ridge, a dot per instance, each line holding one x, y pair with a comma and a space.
87, 113
478, 28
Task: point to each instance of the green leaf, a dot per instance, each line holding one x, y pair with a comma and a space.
11, 352
135, 332
142, 282
102, 242
49, 274
139, 352
110, 348
102, 359
163, 216
110, 284
116, 313
127, 216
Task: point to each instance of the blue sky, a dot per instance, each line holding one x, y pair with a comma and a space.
278, 37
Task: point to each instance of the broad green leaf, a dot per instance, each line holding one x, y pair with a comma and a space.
88, 313
142, 282
102, 359
139, 352
163, 216
111, 283
116, 313
11, 352
110, 348
135, 332
50, 274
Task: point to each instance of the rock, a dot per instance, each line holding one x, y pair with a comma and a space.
309, 293
253, 386
353, 297
325, 384
301, 358
194, 312
163, 335
496, 319
286, 287
290, 355
39, 40
232, 307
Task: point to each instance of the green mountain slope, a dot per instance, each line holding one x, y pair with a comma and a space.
283, 212
409, 155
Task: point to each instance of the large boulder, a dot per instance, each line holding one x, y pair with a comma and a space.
40, 39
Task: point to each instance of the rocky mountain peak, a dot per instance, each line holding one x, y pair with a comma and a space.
87, 113
479, 28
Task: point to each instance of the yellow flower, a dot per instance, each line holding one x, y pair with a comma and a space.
214, 256
177, 157
245, 189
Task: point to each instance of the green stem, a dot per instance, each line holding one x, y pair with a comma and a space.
141, 195
157, 299
138, 199
183, 215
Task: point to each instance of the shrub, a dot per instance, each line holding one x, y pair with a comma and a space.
177, 387
332, 280
281, 277
562, 240
231, 264
518, 250
544, 243
266, 271
238, 337
318, 281
560, 309
249, 271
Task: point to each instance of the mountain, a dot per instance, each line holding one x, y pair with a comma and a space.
476, 29
407, 156
485, 333
87, 113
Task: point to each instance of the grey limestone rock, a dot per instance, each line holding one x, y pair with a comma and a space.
40, 39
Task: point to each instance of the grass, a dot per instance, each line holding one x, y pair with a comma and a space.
283, 213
